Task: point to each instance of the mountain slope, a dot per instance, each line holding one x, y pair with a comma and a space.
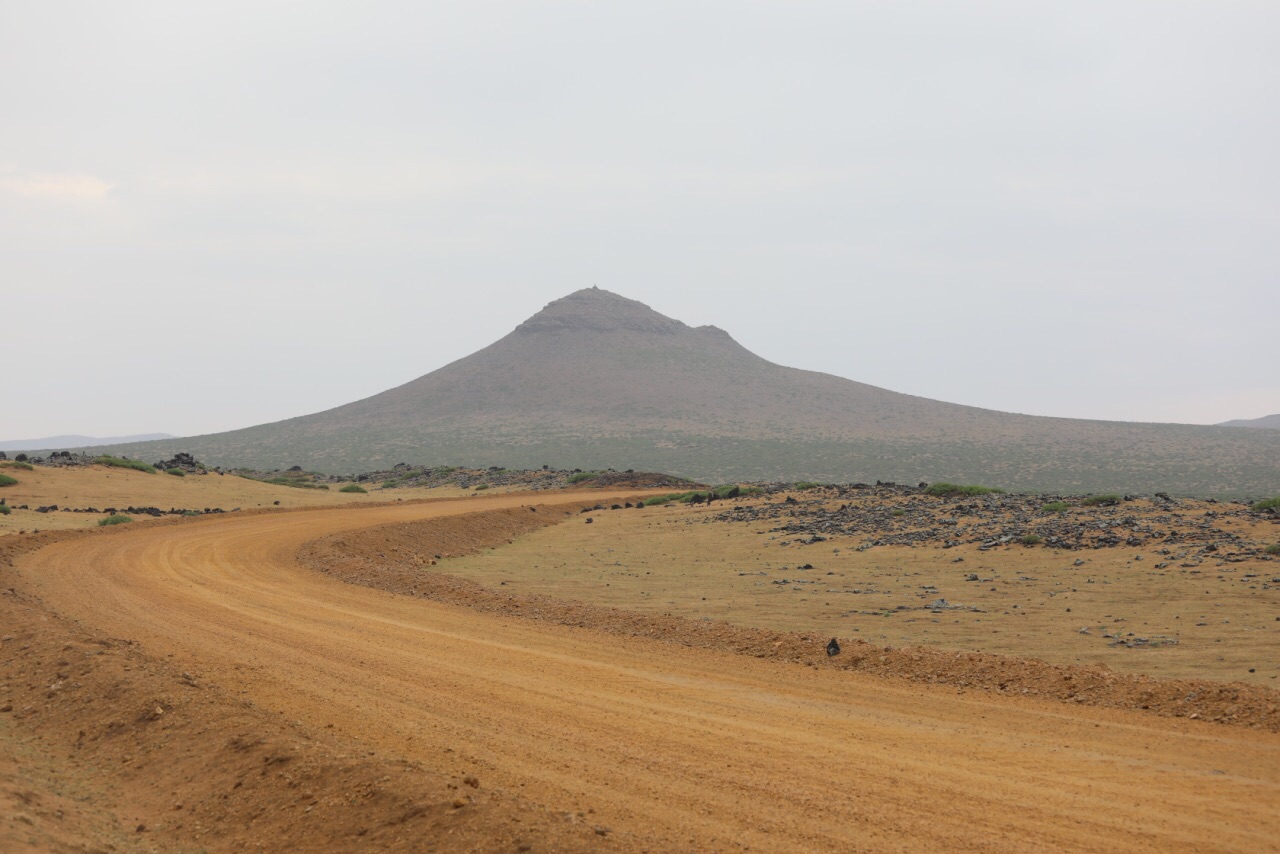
1266, 422
598, 380
53, 443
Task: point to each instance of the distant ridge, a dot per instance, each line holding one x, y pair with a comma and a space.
1266, 422
597, 380
57, 443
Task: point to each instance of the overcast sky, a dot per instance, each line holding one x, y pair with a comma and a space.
220, 214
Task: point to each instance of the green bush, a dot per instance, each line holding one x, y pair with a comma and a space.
115, 519
1031, 540
1055, 507
17, 465
176, 472
807, 484
1101, 501
482, 486
583, 475
5, 480
4, 510
1268, 504
121, 463
948, 489
1273, 549
354, 487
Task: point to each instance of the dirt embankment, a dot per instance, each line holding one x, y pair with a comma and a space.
400, 558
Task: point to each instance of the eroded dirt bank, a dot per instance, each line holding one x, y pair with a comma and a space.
590, 738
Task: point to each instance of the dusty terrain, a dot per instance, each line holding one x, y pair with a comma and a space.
1166, 606
189, 683
97, 488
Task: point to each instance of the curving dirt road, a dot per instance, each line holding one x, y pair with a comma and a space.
662, 747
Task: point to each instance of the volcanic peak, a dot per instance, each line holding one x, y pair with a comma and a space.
596, 310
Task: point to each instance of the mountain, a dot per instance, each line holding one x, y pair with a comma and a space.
596, 380
1266, 422
55, 443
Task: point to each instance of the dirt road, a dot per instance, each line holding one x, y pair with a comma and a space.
658, 746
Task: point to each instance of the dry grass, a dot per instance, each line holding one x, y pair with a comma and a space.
1029, 601
101, 487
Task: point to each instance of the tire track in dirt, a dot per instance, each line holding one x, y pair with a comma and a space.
658, 745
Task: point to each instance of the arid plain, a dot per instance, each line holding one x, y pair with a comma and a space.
513, 670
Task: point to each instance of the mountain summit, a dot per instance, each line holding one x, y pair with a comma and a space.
597, 380
594, 310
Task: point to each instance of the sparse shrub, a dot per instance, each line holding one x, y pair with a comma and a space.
295, 483
353, 487
899, 512
1055, 507
4, 510
1031, 540
114, 519
1101, 501
122, 463
482, 486
807, 484
17, 465
176, 472
1268, 504
583, 475
5, 480
1273, 549
948, 489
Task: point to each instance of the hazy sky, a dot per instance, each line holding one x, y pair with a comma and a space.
219, 214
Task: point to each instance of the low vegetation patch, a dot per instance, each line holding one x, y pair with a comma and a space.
5, 480
114, 519
948, 489
176, 472
698, 496
1273, 549
482, 486
1055, 507
295, 483
1031, 540
17, 465
807, 484
122, 463
1268, 504
1101, 501
4, 510
354, 487
579, 477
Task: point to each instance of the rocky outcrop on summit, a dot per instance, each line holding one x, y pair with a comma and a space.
596, 380
594, 310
